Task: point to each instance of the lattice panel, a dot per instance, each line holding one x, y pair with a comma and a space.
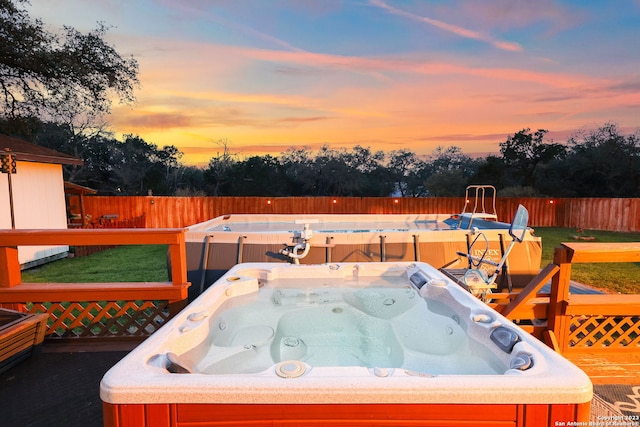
109, 319
604, 331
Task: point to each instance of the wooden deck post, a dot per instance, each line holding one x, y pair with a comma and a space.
559, 298
9, 267
178, 254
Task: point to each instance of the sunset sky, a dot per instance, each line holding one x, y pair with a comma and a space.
266, 75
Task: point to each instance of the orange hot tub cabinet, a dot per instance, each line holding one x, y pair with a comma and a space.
165, 415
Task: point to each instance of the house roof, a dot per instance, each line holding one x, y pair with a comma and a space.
28, 152
71, 188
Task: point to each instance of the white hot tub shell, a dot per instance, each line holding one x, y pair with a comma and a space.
271, 337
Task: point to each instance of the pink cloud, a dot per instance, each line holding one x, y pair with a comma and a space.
507, 14
389, 65
149, 120
294, 120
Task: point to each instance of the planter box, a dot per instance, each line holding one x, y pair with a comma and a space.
20, 334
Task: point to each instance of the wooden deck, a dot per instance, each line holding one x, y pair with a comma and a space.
609, 368
55, 389
57, 386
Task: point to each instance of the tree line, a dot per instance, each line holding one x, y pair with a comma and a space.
56, 90
600, 162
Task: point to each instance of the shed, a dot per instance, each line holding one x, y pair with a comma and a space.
34, 195
76, 215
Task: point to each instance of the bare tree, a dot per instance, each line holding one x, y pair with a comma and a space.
217, 173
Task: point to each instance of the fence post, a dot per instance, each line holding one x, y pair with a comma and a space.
558, 322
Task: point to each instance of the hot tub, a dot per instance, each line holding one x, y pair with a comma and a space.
214, 246
378, 343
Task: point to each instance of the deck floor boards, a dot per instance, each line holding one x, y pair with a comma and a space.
55, 389
609, 368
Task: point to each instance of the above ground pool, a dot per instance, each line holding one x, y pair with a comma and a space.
214, 246
395, 343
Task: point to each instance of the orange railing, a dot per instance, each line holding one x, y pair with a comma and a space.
95, 310
593, 322
578, 322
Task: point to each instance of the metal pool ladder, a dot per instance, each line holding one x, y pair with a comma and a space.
480, 194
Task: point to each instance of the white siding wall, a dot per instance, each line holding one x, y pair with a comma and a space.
38, 202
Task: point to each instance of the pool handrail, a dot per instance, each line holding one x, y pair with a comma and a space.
479, 209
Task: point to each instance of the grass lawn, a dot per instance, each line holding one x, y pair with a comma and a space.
136, 263
614, 277
147, 263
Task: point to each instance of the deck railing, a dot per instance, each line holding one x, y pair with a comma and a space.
580, 322
97, 311
133, 310
593, 322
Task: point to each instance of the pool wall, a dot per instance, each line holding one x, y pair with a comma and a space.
140, 391
433, 239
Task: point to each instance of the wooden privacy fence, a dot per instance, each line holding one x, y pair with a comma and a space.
163, 212
107, 222
121, 310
